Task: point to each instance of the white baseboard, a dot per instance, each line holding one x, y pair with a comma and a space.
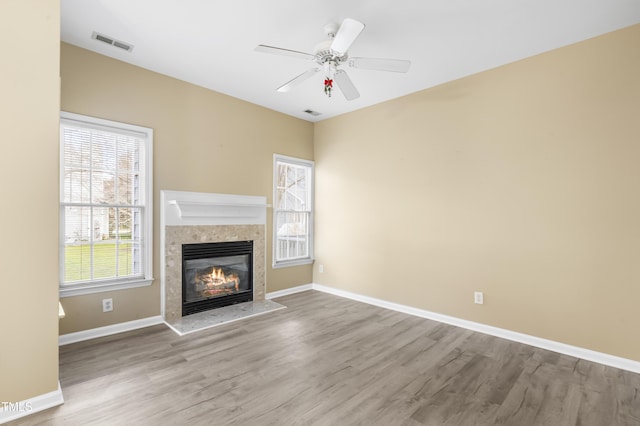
288, 291
12, 411
108, 330
563, 348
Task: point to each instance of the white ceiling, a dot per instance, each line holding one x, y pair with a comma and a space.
210, 42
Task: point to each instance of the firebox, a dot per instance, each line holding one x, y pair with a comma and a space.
216, 275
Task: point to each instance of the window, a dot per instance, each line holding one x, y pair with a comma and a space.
292, 211
105, 205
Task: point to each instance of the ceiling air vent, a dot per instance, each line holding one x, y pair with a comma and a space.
113, 42
312, 112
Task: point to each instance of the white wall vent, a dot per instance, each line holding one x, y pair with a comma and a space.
312, 112
113, 42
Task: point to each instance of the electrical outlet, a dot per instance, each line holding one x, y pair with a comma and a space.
107, 305
478, 298
321, 268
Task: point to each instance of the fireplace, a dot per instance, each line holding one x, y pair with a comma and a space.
201, 218
216, 274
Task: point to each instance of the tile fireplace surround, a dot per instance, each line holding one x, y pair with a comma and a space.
194, 217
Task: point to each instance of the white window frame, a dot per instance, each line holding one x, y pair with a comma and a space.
97, 286
277, 158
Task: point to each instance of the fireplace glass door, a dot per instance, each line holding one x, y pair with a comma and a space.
216, 275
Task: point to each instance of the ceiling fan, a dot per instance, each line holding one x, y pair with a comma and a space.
331, 54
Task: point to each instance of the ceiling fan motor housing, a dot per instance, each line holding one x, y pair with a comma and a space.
324, 54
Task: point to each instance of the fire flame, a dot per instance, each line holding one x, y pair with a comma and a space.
215, 282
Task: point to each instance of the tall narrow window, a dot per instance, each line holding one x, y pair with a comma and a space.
105, 205
292, 211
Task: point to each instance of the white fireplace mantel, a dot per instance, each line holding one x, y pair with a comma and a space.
198, 208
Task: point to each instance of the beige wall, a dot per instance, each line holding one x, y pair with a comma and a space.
203, 141
29, 107
522, 182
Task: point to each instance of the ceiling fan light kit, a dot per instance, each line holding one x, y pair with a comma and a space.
331, 54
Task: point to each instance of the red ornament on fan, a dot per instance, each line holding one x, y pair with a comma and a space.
328, 85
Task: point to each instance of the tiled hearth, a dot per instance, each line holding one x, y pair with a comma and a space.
224, 315
189, 218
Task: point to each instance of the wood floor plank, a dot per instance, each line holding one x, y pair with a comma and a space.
326, 360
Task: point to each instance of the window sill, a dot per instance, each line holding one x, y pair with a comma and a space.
82, 289
288, 263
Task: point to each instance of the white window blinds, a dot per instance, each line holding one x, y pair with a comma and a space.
293, 210
104, 202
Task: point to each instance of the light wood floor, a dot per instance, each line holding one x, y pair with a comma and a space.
326, 360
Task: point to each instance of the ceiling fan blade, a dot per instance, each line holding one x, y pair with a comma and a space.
285, 52
297, 80
347, 34
393, 65
346, 86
